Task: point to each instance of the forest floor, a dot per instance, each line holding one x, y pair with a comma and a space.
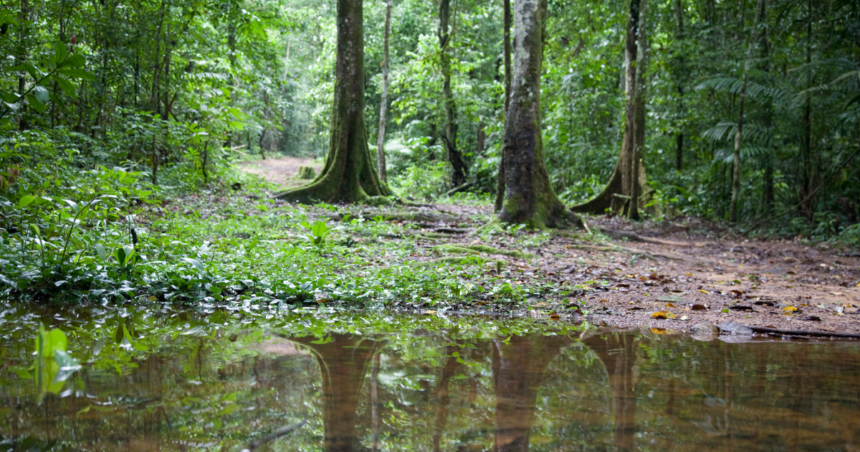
667, 275
280, 171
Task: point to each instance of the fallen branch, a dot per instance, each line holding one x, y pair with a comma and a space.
277, 434
459, 188
760, 329
634, 237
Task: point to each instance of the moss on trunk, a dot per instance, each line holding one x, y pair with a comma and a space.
348, 174
529, 197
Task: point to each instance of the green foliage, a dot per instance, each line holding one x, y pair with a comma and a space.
317, 232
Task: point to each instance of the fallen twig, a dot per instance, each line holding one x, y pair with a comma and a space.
277, 434
760, 329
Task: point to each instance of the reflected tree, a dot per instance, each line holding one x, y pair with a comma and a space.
343, 361
519, 365
617, 353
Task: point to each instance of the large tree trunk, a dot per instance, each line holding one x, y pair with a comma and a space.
529, 197
506, 41
348, 174
618, 193
449, 134
736, 160
383, 104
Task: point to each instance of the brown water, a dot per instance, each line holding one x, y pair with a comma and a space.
221, 381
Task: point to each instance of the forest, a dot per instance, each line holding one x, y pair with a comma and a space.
429, 225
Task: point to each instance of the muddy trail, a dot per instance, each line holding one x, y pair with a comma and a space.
668, 276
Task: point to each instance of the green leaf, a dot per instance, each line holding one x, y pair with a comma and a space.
26, 201
195, 263
41, 94
77, 73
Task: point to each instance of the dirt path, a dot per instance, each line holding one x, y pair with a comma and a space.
667, 276
282, 170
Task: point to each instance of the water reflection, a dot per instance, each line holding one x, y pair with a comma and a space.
438, 390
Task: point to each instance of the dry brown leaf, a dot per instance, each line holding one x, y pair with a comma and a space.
662, 315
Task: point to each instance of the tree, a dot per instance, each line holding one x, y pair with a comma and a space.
622, 191
343, 364
449, 133
529, 197
736, 159
348, 174
383, 105
506, 49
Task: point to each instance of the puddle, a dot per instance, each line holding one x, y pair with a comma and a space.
227, 380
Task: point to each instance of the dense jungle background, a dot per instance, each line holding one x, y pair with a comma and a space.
113, 109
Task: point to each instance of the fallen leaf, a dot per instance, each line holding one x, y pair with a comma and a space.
684, 317
554, 316
835, 293
789, 309
764, 303
699, 307
659, 330
671, 299
812, 318
603, 300
690, 274
670, 305
740, 308
662, 315
634, 308
429, 312
704, 291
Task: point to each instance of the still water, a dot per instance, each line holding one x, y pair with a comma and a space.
221, 380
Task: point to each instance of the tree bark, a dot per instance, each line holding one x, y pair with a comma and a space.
767, 120
449, 135
680, 78
383, 104
736, 160
348, 174
529, 197
626, 172
638, 181
506, 42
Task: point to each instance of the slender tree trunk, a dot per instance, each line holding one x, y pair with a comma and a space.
768, 112
374, 400
736, 160
383, 105
529, 197
506, 43
449, 136
348, 174
231, 46
681, 63
810, 165
618, 192
23, 53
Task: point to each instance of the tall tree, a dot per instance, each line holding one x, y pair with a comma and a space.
736, 157
506, 49
529, 197
383, 104
625, 182
680, 77
348, 174
449, 133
